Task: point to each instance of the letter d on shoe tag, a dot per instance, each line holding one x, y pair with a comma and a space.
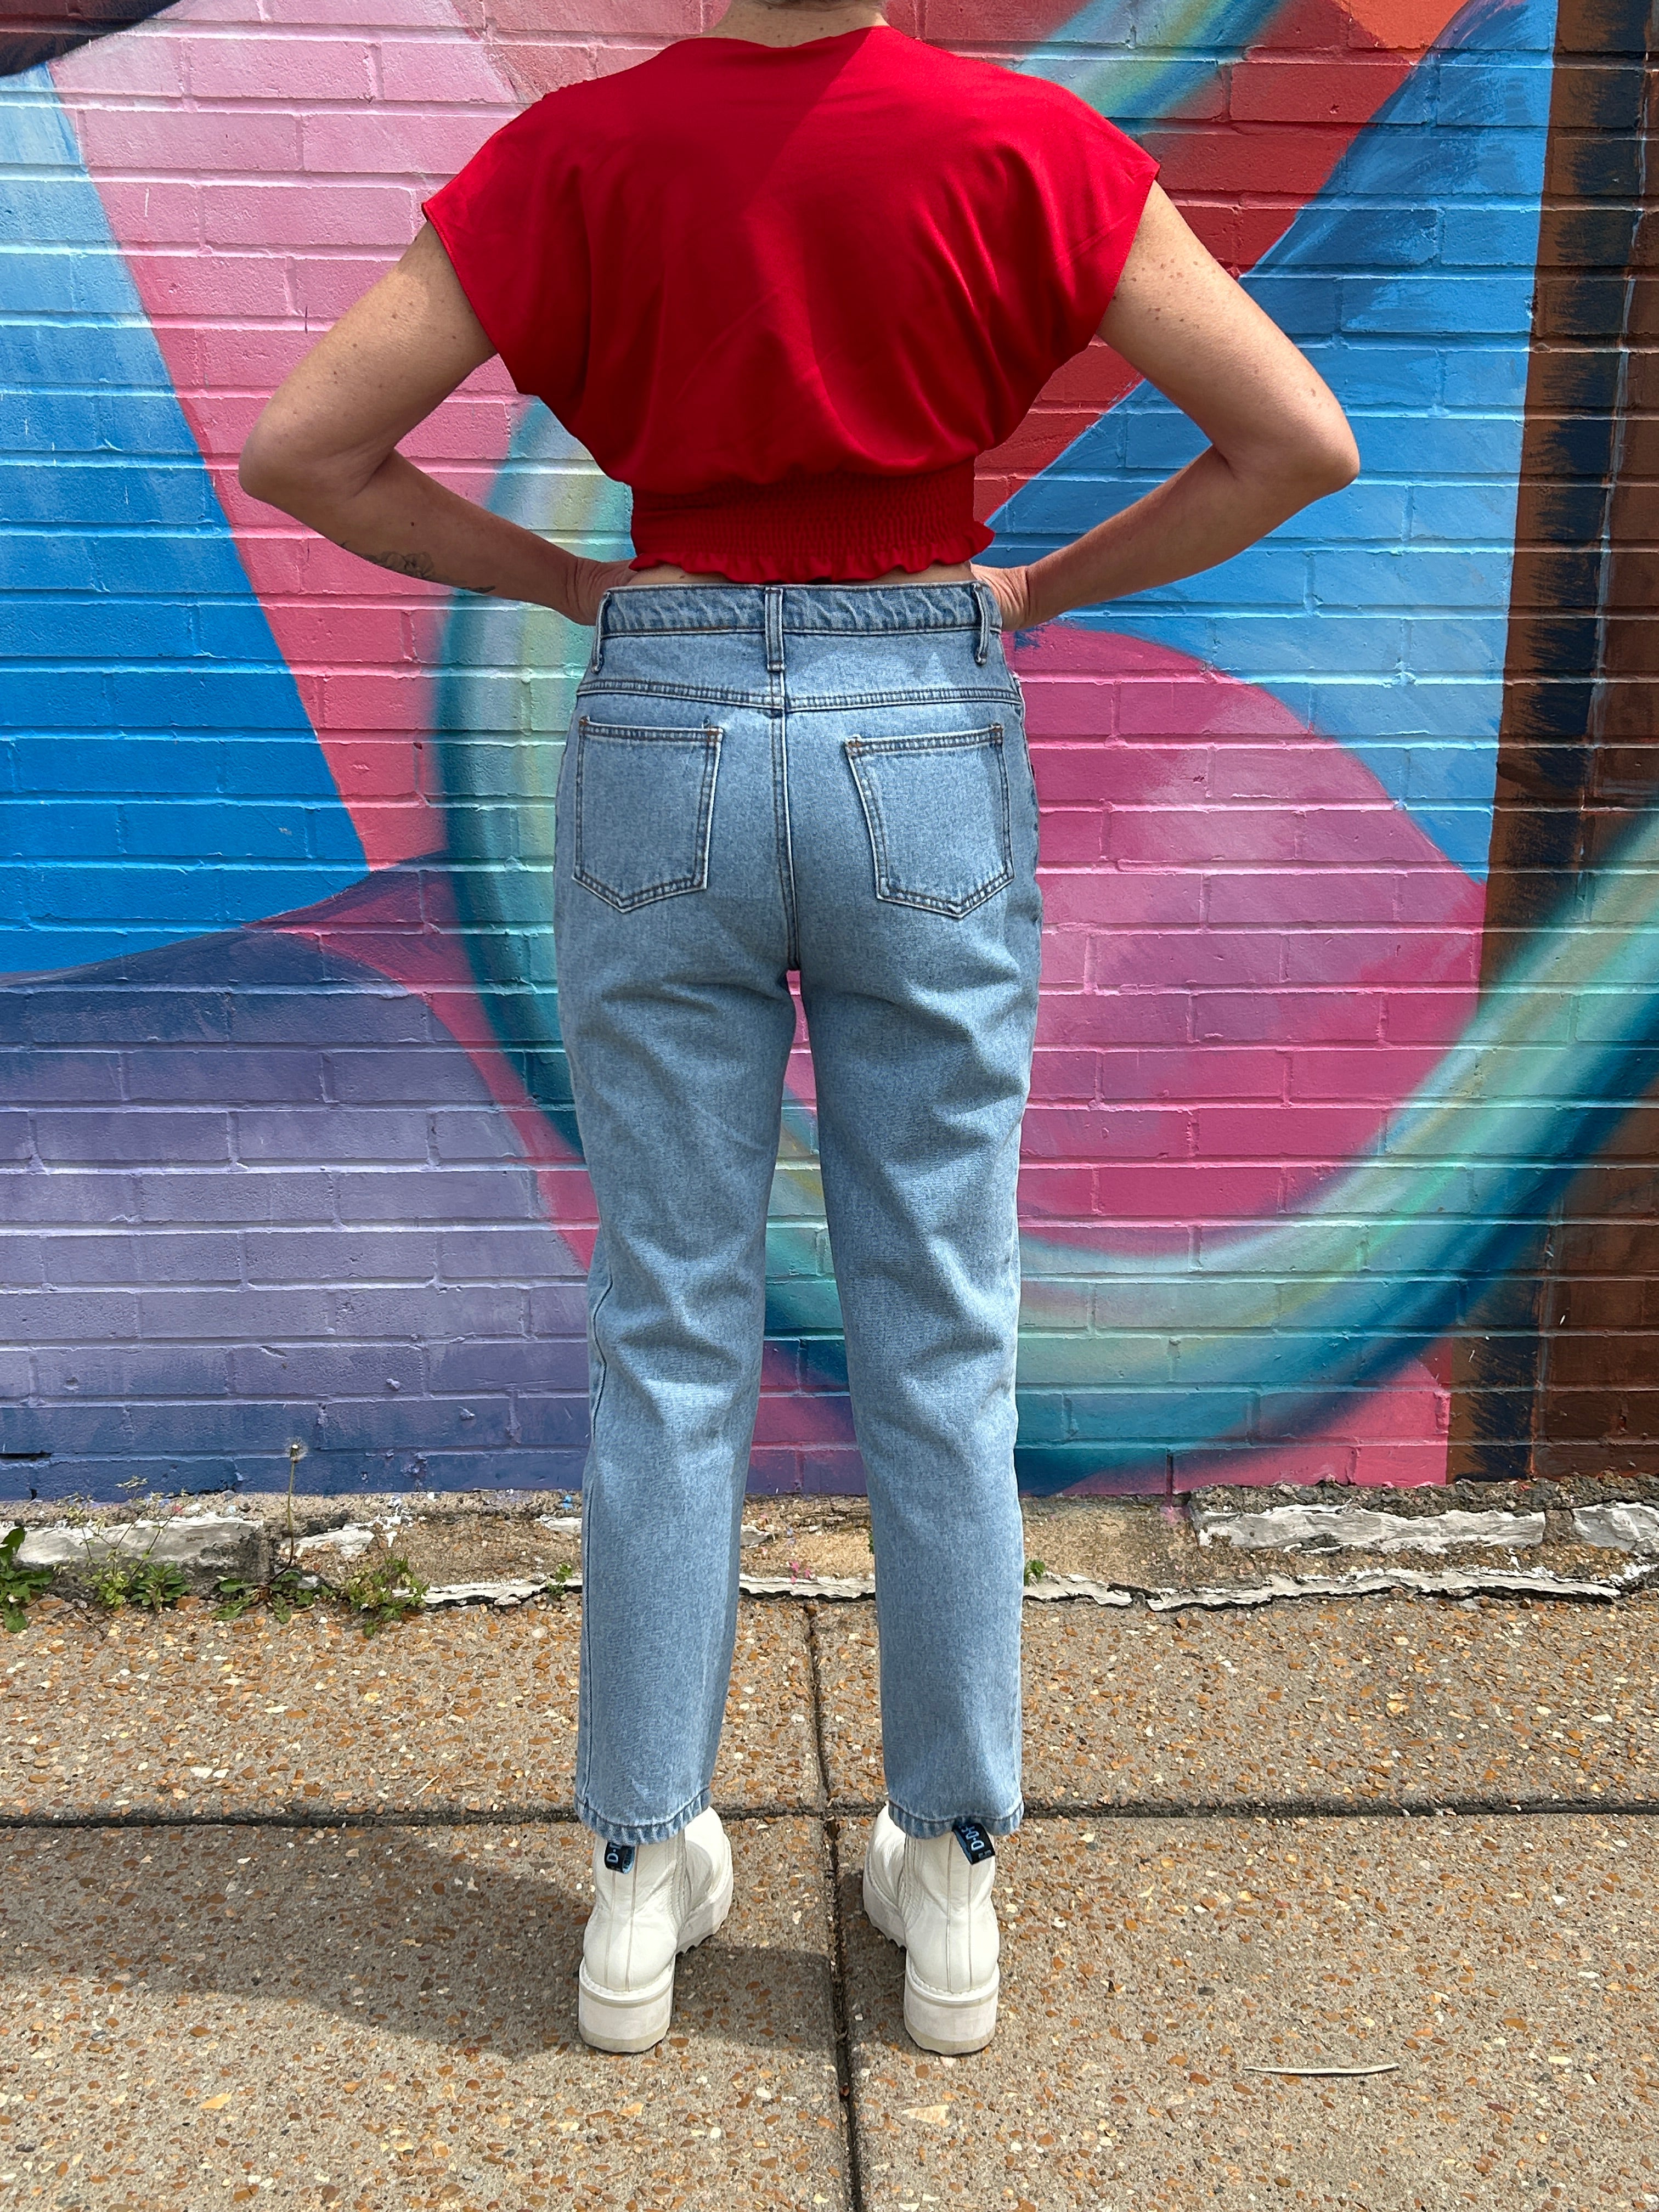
618, 1858
974, 1842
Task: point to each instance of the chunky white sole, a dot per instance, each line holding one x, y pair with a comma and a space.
952, 2026
632, 2020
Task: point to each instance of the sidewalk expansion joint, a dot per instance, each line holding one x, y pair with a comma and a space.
829, 1833
838, 1811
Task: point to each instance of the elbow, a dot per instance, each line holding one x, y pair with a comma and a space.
265, 469
1338, 462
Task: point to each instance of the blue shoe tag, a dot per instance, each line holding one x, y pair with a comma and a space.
975, 1841
618, 1858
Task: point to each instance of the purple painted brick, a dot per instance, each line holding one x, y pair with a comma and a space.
65, 1200
330, 1133
138, 1134
488, 1256
107, 1261
445, 1194
331, 1255
238, 1194
28, 1076
366, 1076
68, 1317
325, 1371
186, 1073
517, 1364
185, 1256
190, 1371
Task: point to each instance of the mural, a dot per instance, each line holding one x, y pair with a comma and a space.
1336, 1039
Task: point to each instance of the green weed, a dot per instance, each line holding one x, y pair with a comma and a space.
18, 1584
1035, 1571
151, 1584
385, 1594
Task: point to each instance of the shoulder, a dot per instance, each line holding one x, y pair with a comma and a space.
1027, 110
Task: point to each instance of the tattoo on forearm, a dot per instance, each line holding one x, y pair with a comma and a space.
406, 564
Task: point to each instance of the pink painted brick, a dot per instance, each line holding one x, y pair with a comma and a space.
1290, 898
1335, 1016
1197, 959
1215, 1072
251, 288
353, 216
1072, 836
1440, 896
1064, 959
1420, 958
236, 139
1121, 1018
1121, 898
1074, 707
1331, 1133
1059, 1073
144, 64
380, 699
1248, 773
1168, 774
1056, 1193
1186, 1193
1106, 1133
1168, 837
1428, 1016
162, 214
1070, 775
384, 142
656, 21
279, 66
1385, 1073
1362, 837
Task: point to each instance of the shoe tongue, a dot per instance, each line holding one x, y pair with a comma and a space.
618, 1858
974, 1842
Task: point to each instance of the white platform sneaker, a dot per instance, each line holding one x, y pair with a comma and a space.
934, 1897
654, 1901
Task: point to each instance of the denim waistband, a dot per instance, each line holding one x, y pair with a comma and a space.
852, 609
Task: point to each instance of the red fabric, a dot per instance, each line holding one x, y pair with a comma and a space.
790, 294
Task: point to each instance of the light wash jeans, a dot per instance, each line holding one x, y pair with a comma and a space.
830, 778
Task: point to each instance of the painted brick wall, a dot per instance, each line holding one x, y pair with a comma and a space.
287, 1149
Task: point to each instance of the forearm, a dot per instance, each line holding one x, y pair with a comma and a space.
402, 519
1203, 515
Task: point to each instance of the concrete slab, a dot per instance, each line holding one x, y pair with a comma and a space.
1506, 1964
469, 1711
1340, 1703
387, 2017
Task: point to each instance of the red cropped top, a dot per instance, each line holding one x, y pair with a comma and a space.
789, 294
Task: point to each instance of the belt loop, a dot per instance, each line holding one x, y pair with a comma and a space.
599, 633
988, 607
775, 629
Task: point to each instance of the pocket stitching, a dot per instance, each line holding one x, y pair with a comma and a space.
667, 886
924, 902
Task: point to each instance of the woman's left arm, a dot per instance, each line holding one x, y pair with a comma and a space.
326, 448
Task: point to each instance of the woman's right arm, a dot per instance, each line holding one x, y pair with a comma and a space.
1278, 438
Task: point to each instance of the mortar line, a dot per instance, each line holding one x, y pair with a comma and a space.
829, 1829
298, 1820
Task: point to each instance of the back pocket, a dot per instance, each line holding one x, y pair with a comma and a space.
937, 809
644, 809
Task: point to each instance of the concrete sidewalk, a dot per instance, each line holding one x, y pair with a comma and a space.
293, 1916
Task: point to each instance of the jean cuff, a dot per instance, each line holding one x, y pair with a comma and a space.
642, 1832
912, 1824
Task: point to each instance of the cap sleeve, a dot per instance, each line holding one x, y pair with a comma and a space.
1105, 201
512, 224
